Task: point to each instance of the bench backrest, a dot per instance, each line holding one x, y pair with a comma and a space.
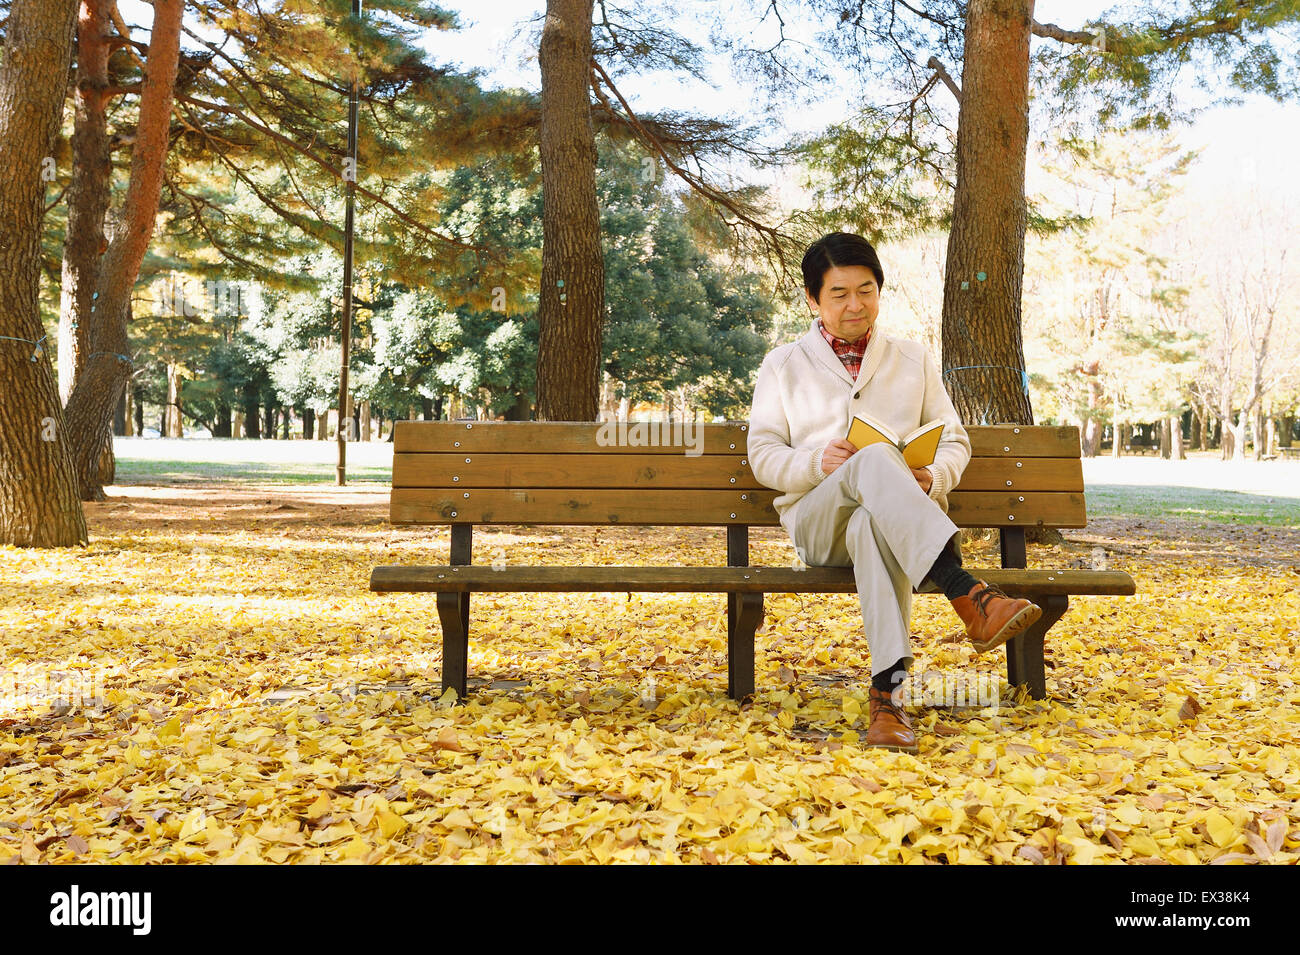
549, 472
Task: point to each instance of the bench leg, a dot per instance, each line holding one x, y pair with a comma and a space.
744, 614
453, 613
1025, 652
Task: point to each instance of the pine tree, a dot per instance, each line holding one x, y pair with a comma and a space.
39, 506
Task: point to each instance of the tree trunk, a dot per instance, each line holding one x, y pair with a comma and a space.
237, 426
1176, 436
139, 410
286, 422
252, 423
1288, 427
1166, 438
106, 368
308, 423
1228, 437
519, 411
571, 305
132, 405
324, 423
607, 402
426, 408
438, 403
88, 192
365, 421
983, 352
222, 427
39, 503
268, 419
1198, 433
173, 427
1117, 442
1261, 434
106, 471
1090, 440
119, 415
1238, 433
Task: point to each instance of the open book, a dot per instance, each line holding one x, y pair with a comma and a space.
918, 447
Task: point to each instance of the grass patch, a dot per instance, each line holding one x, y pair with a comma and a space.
1192, 503
151, 471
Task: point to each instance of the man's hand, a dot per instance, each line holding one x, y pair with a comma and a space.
836, 453
923, 478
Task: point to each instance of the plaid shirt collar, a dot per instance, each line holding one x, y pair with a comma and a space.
850, 353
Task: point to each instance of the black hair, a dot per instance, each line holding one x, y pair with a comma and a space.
838, 250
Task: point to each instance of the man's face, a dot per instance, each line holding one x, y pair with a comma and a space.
850, 301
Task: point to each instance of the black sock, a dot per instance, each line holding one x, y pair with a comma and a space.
947, 573
887, 680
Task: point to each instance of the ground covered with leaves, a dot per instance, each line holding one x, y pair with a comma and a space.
211, 681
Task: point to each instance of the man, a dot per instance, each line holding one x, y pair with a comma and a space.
867, 508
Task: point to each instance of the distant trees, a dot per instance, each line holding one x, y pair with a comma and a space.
1110, 340
1246, 303
681, 327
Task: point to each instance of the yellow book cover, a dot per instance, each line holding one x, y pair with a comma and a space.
918, 447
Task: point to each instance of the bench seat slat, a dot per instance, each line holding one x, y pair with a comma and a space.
492, 469
682, 508
576, 437
566, 437
1026, 441
581, 506
472, 578
1012, 509
1030, 474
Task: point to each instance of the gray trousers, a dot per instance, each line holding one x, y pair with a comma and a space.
871, 514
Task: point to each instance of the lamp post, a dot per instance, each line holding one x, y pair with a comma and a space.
350, 185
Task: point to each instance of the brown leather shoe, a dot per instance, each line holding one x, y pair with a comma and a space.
887, 726
992, 618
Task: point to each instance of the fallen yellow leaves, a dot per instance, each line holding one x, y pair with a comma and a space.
267, 708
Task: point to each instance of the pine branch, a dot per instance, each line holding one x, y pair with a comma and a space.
1053, 32
770, 237
337, 173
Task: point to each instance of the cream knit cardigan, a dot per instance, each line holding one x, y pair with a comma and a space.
804, 398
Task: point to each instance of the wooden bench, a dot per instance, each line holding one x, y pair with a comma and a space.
467, 473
